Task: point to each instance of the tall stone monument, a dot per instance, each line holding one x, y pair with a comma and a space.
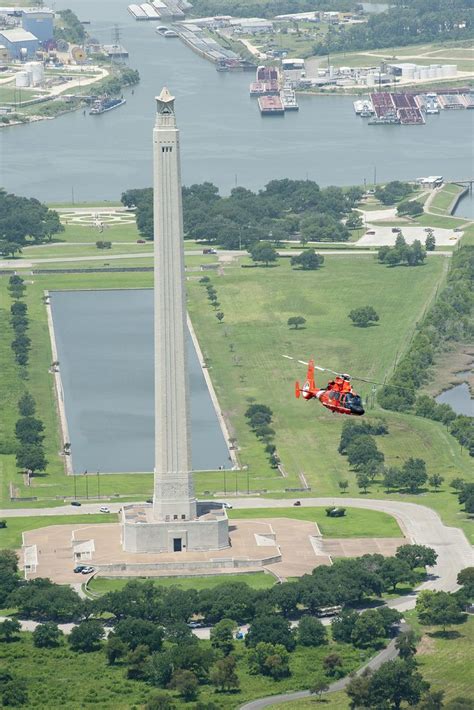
175, 522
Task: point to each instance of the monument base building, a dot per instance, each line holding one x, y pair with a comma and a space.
142, 532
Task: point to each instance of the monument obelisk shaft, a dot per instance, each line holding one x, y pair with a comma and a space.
174, 497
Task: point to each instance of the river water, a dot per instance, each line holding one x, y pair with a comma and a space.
105, 347
224, 139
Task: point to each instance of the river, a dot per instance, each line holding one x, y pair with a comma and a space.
224, 139
105, 347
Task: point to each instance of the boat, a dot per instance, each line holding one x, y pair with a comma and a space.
388, 119
288, 99
105, 104
271, 106
165, 31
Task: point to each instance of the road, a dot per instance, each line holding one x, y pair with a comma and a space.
387, 654
105, 258
420, 525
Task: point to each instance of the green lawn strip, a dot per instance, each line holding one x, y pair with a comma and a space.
61, 678
76, 232
256, 580
330, 701
70, 249
442, 221
444, 197
356, 523
80, 205
445, 662
10, 537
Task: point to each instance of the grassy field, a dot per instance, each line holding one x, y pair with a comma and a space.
256, 580
10, 537
257, 303
444, 197
59, 678
331, 701
356, 523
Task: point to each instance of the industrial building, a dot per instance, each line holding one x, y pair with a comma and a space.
20, 43
39, 23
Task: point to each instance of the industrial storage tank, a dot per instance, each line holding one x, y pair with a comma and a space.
36, 69
22, 79
449, 69
370, 79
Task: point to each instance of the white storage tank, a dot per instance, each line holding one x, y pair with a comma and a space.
37, 72
22, 79
370, 79
449, 69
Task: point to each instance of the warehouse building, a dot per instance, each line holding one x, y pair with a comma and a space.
20, 43
39, 23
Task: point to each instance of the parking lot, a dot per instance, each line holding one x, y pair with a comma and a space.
377, 236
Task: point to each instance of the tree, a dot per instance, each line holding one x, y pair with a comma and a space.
160, 701
332, 665
368, 629
343, 486
115, 649
47, 635
395, 570
430, 241
9, 629
417, 555
395, 682
358, 690
413, 474
411, 208
296, 322
15, 693
363, 316
271, 629
86, 636
186, 683
222, 635
269, 659
263, 251
392, 478
224, 674
438, 608
466, 579
311, 632
308, 260
220, 316
26, 403
137, 662
458, 484
435, 480
362, 450
363, 481
28, 430
318, 688
30, 457
406, 645
343, 625
136, 632
466, 497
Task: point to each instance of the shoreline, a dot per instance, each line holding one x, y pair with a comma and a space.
212, 393
58, 388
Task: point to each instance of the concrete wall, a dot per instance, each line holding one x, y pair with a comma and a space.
195, 535
196, 565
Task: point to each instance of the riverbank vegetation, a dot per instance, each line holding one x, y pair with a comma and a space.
449, 321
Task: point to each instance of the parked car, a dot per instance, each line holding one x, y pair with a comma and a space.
79, 568
104, 509
228, 506
297, 502
87, 570
370, 231
457, 229
194, 624
397, 230
141, 241
209, 251
76, 503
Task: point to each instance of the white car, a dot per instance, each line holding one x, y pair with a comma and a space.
104, 509
229, 506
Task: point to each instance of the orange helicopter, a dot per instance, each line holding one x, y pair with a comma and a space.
338, 396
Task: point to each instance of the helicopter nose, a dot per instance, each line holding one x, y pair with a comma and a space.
358, 411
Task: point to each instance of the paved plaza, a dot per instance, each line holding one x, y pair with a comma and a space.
281, 546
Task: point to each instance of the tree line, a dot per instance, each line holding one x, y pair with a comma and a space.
413, 22
25, 220
449, 321
152, 642
19, 321
402, 253
29, 430
283, 209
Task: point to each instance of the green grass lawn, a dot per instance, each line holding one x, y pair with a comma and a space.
256, 580
68, 250
331, 701
356, 523
10, 537
444, 197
